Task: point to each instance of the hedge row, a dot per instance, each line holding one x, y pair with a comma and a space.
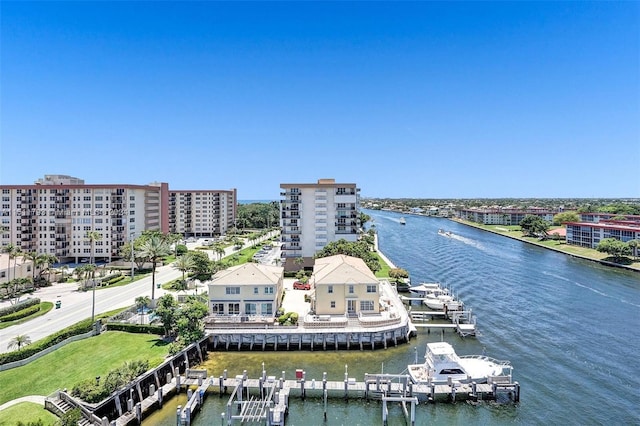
113, 280
19, 306
288, 318
20, 314
82, 327
135, 328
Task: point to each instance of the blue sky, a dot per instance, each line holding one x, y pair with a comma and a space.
406, 99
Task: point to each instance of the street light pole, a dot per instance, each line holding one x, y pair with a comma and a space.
131, 235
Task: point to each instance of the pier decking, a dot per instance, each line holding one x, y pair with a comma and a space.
266, 399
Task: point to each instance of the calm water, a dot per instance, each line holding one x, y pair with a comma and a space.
571, 329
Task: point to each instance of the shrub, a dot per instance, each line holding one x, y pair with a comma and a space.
135, 328
20, 314
19, 306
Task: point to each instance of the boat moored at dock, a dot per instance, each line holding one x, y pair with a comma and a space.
442, 365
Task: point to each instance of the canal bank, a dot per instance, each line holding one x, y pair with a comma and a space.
578, 256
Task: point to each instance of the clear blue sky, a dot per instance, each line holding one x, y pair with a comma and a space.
409, 99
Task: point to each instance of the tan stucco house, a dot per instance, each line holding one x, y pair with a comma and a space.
247, 291
344, 285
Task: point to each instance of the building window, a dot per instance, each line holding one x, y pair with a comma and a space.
268, 290
330, 289
351, 289
217, 308
234, 308
333, 304
250, 308
266, 309
366, 305
233, 290
256, 290
371, 288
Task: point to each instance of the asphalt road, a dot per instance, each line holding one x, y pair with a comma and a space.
76, 305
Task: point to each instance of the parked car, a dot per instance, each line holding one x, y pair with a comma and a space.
299, 285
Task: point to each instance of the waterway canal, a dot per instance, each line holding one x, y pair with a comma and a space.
570, 327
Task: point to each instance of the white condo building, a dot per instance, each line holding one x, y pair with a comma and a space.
315, 214
202, 213
54, 214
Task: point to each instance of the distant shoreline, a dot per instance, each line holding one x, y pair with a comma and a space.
602, 262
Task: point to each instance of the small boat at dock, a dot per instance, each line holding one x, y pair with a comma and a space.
442, 365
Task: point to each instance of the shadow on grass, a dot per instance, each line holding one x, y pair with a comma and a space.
162, 341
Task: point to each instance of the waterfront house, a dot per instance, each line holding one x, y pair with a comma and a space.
247, 292
344, 285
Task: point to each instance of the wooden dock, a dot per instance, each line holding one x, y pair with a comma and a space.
463, 322
266, 399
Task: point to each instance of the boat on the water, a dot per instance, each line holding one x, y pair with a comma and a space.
440, 301
443, 364
403, 221
424, 289
444, 233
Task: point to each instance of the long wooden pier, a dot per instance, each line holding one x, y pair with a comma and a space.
266, 399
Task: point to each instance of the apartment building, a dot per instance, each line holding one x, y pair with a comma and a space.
315, 214
54, 214
201, 213
589, 234
504, 216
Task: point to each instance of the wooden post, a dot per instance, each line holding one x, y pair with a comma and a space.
516, 397
160, 397
179, 415
324, 396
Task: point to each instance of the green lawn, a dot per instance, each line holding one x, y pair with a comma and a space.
384, 270
27, 412
81, 360
558, 245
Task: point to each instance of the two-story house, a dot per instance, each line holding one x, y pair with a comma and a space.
246, 291
344, 285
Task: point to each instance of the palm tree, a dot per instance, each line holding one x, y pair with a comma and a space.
154, 248
49, 260
142, 302
19, 341
184, 264
92, 236
219, 251
63, 268
36, 261
9, 249
13, 251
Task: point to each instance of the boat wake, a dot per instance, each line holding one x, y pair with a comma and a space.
593, 290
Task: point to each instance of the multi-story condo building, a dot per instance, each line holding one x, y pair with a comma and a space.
202, 213
504, 216
589, 234
315, 214
54, 214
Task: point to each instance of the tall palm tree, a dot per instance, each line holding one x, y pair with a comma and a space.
92, 236
154, 248
184, 264
36, 262
219, 250
49, 260
19, 341
9, 248
13, 251
63, 268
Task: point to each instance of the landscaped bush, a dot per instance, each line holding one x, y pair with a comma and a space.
79, 328
20, 314
19, 306
93, 391
290, 318
114, 280
135, 328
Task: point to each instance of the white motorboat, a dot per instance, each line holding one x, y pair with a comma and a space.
425, 289
439, 301
443, 364
444, 233
403, 221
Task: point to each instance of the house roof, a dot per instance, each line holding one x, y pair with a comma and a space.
342, 269
248, 273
